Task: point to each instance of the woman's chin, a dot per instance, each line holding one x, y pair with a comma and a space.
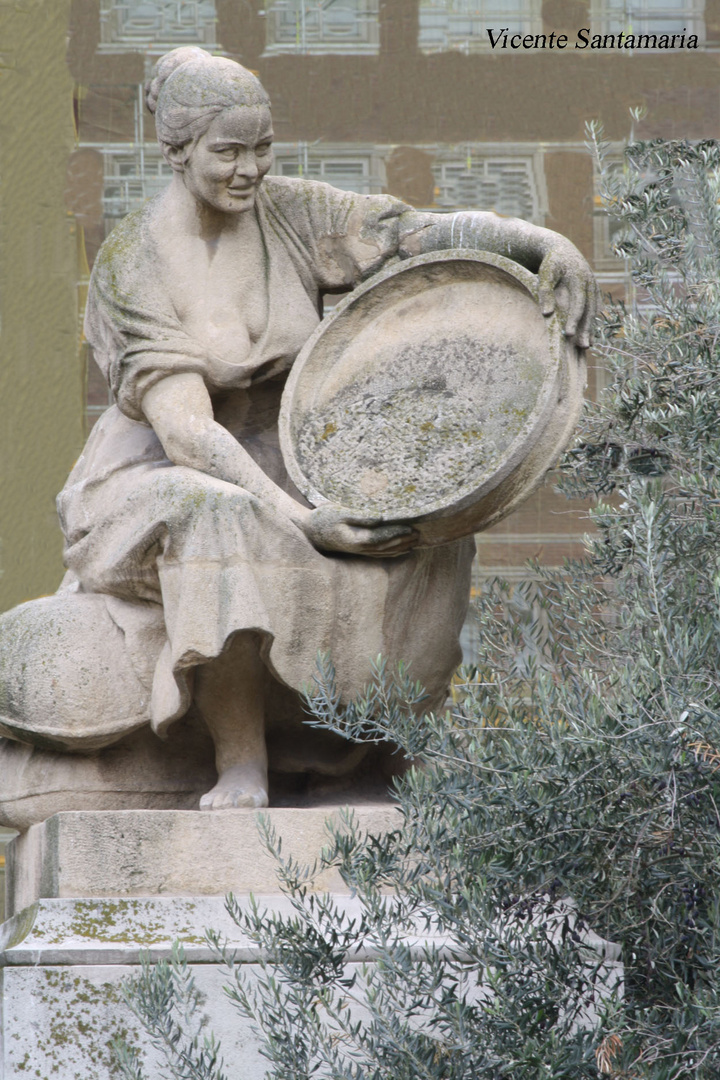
239, 202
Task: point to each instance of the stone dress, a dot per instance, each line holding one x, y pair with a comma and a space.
175, 561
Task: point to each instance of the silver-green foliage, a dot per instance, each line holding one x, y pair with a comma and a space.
575, 785
167, 1002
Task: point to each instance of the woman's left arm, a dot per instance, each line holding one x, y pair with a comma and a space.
564, 278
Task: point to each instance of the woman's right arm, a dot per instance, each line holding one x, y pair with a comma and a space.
181, 413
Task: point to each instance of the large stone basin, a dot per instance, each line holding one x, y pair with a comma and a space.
436, 393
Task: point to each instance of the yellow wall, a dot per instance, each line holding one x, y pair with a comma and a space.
41, 381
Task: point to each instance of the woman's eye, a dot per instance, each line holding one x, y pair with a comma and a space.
263, 148
227, 153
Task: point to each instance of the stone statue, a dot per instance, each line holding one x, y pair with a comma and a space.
199, 581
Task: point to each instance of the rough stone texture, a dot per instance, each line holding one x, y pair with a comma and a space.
100, 933
62, 963
59, 1021
92, 892
423, 395
140, 771
61, 966
144, 772
52, 635
167, 853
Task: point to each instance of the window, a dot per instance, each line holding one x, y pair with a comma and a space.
649, 17
156, 25
463, 24
132, 177
480, 179
322, 26
476, 176
352, 167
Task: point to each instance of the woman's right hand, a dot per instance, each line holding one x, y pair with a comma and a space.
333, 528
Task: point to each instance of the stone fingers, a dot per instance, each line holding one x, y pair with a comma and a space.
549, 276
566, 285
583, 308
577, 306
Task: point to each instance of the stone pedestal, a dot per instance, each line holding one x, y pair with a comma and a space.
88, 893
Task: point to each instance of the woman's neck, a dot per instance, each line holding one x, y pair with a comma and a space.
196, 218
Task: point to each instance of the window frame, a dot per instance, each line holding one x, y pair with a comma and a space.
485, 16
302, 154
639, 17
115, 38
366, 43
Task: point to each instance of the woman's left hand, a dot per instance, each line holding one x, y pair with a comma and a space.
566, 282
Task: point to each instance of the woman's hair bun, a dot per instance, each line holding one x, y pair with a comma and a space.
165, 67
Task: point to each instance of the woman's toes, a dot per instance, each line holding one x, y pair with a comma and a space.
233, 800
235, 790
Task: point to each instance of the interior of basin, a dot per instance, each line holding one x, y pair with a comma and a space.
415, 407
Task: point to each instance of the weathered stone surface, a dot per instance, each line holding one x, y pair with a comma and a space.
91, 893
95, 893
168, 853
426, 392
53, 635
59, 1022
103, 932
198, 576
62, 963
138, 772
144, 772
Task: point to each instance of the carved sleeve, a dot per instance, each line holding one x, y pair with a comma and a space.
342, 237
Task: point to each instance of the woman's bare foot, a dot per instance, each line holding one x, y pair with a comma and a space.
238, 786
229, 692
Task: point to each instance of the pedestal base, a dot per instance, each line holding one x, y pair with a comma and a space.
64, 960
168, 852
93, 892
88, 893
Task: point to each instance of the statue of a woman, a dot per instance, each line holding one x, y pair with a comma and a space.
221, 579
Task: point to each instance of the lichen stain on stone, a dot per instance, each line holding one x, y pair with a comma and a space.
121, 922
82, 1022
438, 418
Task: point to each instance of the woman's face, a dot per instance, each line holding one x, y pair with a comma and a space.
228, 162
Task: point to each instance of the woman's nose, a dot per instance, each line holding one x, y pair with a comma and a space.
246, 165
